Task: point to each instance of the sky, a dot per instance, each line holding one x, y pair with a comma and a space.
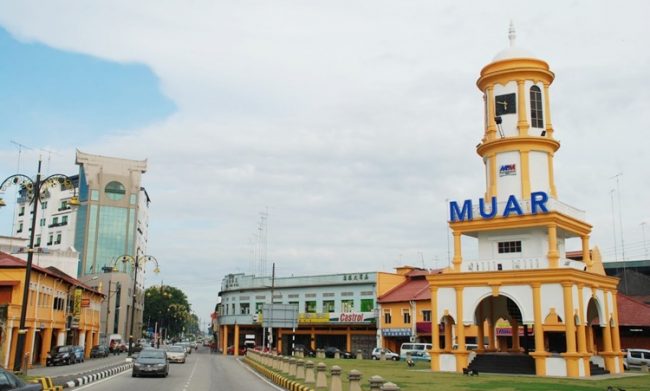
348, 124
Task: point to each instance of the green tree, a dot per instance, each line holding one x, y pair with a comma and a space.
169, 307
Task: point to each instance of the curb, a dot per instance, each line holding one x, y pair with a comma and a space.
94, 376
276, 378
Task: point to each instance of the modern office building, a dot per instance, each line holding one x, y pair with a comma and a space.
333, 310
85, 242
112, 220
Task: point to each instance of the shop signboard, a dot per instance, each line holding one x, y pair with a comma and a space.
337, 318
396, 332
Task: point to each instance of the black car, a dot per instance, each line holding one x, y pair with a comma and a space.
151, 362
61, 355
331, 351
99, 351
9, 381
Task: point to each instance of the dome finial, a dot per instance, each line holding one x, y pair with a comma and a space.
512, 34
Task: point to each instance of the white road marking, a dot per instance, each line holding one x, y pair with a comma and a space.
187, 384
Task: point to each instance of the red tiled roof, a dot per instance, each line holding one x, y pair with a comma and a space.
9, 261
408, 290
632, 312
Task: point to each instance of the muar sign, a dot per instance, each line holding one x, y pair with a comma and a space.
538, 202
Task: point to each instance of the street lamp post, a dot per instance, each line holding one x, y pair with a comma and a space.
135, 261
32, 189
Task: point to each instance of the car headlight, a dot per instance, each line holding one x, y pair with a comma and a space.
48, 356
66, 355
161, 365
137, 364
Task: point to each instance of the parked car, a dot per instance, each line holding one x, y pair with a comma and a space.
61, 355
331, 351
231, 350
99, 351
176, 353
390, 355
420, 356
635, 358
78, 353
151, 362
9, 381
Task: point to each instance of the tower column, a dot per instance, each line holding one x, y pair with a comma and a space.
448, 341
492, 341
551, 177
616, 338
236, 341
514, 327
461, 353
491, 131
458, 257
525, 175
225, 340
435, 331
547, 112
480, 332
582, 335
492, 191
571, 356
539, 354
586, 257
522, 122
553, 255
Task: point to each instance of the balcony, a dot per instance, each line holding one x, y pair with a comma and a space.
64, 208
528, 263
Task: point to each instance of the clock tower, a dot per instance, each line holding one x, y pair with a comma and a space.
522, 284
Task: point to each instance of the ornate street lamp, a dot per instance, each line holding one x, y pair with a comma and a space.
136, 261
34, 190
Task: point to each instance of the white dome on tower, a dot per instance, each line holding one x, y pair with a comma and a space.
512, 51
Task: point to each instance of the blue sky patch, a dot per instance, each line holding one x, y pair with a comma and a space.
46, 93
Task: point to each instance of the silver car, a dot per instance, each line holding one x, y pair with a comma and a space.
176, 354
635, 358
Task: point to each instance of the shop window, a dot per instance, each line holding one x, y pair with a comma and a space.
347, 305
328, 306
387, 317
406, 315
310, 306
367, 305
426, 316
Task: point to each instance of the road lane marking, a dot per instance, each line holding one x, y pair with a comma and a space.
187, 384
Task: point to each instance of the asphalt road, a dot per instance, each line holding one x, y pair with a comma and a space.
202, 372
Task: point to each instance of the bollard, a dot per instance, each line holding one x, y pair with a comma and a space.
301, 352
382, 355
310, 376
644, 367
354, 377
337, 354
376, 382
300, 369
359, 354
389, 387
320, 353
292, 367
335, 379
285, 364
321, 377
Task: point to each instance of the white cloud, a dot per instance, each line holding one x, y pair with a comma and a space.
351, 121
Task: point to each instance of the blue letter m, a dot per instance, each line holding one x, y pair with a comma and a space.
460, 214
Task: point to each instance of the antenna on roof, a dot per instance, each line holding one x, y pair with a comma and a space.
512, 35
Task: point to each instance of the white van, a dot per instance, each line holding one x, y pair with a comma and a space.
416, 350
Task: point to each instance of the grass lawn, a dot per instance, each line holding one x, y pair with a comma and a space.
420, 378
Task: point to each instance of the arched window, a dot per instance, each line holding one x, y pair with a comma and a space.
536, 112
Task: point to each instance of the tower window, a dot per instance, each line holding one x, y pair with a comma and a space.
510, 247
536, 112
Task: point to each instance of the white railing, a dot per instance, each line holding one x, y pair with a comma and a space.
531, 263
552, 205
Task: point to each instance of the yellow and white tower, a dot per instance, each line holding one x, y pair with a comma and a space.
522, 275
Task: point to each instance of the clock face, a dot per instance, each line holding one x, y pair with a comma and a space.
505, 104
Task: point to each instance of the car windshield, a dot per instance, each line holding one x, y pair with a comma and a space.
61, 349
152, 354
177, 349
